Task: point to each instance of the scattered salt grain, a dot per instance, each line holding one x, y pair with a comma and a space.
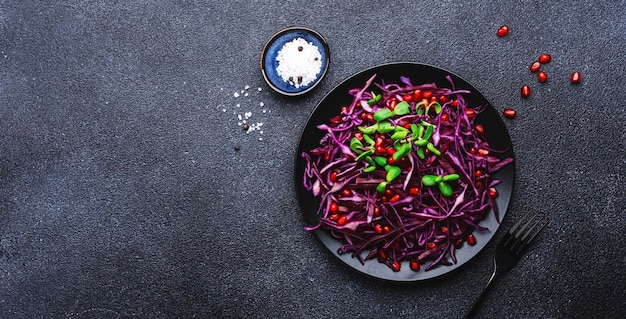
299, 62
246, 87
260, 89
236, 94
261, 104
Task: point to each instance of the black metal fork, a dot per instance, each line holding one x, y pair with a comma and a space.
511, 249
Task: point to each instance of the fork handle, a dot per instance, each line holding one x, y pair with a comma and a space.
478, 302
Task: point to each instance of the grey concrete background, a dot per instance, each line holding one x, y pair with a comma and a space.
122, 196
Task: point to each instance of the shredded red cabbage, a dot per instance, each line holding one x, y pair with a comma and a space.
403, 174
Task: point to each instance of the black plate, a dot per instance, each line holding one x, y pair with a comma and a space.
496, 133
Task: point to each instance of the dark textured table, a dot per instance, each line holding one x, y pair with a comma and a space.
122, 194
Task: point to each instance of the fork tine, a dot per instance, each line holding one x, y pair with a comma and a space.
512, 239
519, 222
541, 223
532, 229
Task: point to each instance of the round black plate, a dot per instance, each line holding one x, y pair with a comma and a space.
330, 106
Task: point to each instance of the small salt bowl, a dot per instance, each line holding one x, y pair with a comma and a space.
295, 60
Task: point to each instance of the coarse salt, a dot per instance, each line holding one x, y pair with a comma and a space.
299, 62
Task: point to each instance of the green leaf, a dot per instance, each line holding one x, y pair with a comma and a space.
385, 127
445, 189
370, 161
381, 187
356, 145
369, 169
402, 108
451, 177
369, 129
420, 153
421, 142
364, 154
414, 130
432, 149
382, 114
437, 106
368, 140
380, 160
429, 180
399, 134
404, 150
392, 173
429, 131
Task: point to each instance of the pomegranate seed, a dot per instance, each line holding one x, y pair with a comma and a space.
395, 198
493, 193
414, 191
479, 128
445, 117
380, 140
444, 229
483, 152
478, 173
545, 58
542, 77
333, 207
534, 67
380, 150
415, 265
376, 211
388, 192
334, 217
342, 220
378, 229
443, 99
503, 31
386, 229
470, 113
392, 103
458, 243
417, 94
427, 95
471, 240
346, 192
382, 255
407, 126
509, 113
333, 176
575, 78
327, 157
395, 265
391, 151
408, 98
454, 103
525, 91
359, 135
431, 245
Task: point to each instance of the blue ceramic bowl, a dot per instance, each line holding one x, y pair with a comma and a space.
270, 52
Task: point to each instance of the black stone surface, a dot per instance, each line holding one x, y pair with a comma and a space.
122, 194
